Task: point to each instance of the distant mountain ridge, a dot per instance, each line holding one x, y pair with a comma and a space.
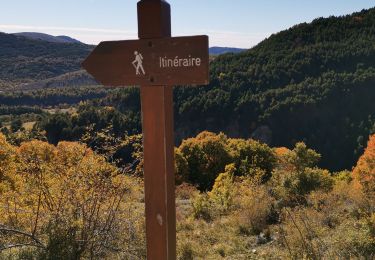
222, 50
47, 37
216, 50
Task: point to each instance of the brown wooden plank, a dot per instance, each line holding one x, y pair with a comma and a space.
157, 113
164, 61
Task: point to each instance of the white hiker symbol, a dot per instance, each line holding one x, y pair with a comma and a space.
137, 63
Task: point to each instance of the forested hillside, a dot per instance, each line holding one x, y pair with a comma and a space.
47, 37
26, 60
222, 50
314, 82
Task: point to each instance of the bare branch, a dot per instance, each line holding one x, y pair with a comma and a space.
37, 214
19, 232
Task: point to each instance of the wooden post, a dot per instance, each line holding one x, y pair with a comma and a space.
154, 21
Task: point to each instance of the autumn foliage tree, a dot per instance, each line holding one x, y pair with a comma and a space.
297, 174
206, 156
66, 202
201, 159
364, 172
252, 158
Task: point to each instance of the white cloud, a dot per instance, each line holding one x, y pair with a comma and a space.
96, 35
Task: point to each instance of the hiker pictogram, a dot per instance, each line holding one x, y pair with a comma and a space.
137, 63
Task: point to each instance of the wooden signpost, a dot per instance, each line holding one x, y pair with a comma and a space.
156, 62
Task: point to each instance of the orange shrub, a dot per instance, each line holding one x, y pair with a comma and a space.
364, 172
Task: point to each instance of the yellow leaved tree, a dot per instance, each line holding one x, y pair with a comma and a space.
66, 202
364, 172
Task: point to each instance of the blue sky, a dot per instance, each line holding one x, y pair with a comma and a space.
236, 23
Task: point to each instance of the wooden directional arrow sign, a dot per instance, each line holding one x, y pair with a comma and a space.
165, 61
